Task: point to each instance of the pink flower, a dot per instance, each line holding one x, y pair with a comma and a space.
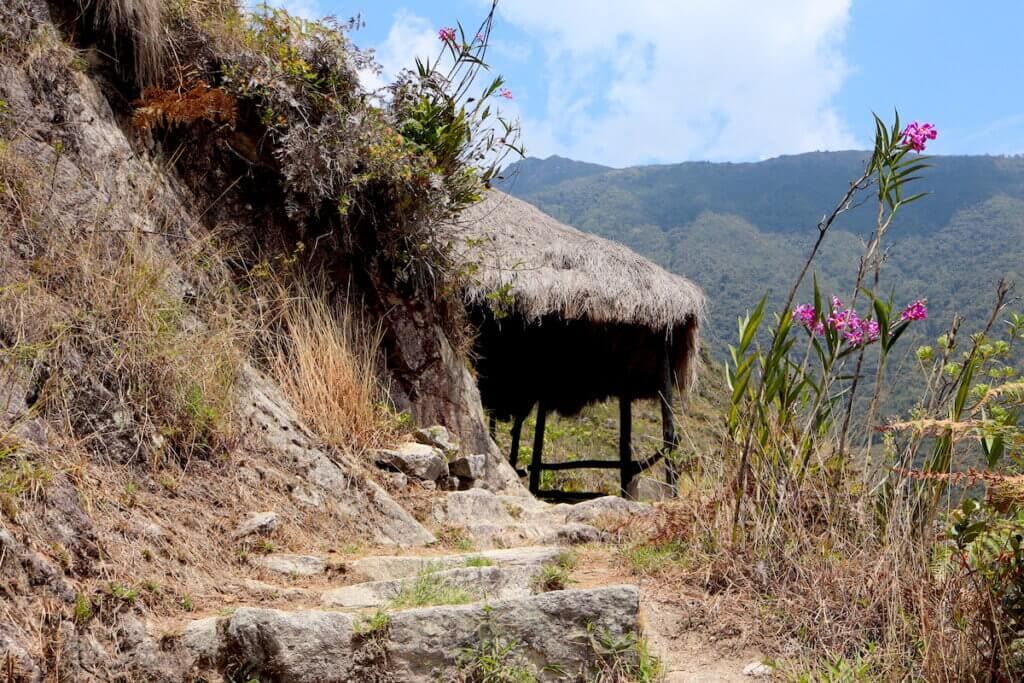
446, 35
916, 135
506, 93
805, 315
917, 310
854, 329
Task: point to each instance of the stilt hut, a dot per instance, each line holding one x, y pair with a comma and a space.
566, 319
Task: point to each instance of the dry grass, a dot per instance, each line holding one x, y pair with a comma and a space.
326, 362
814, 588
139, 23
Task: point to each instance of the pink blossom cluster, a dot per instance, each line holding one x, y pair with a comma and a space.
855, 330
917, 310
916, 135
506, 93
446, 35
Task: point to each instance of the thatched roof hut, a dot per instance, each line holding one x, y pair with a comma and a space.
567, 318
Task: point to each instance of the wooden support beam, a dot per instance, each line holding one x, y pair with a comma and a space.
517, 430
670, 440
569, 495
626, 468
582, 464
538, 448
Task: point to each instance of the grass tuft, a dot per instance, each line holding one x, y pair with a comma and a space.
326, 363
429, 589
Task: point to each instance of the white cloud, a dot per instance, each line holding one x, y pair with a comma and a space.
653, 80
409, 37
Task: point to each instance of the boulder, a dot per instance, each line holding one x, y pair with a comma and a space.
419, 461
476, 506
438, 437
333, 481
292, 565
300, 647
607, 507
469, 467
549, 634
257, 523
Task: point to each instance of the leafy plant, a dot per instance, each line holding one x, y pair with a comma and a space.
623, 658
494, 658
551, 577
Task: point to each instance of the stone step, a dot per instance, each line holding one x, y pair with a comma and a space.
495, 520
468, 584
389, 567
560, 635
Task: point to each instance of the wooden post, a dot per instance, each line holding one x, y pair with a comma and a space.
627, 485
517, 430
668, 423
538, 447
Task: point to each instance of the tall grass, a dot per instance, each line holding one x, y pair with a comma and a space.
326, 361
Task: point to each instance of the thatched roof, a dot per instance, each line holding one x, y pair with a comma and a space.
553, 269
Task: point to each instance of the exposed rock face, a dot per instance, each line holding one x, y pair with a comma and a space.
469, 467
494, 520
438, 437
257, 523
416, 460
432, 382
344, 492
291, 565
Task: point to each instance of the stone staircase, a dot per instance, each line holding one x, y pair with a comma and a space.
420, 616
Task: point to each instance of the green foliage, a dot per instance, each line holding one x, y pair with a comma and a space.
551, 577
494, 658
20, 476
566, 559
123, 593
479, 561
83, 609
429, 588
626, 657
386, 168
843, 670
654, 558
373, 625
793, 389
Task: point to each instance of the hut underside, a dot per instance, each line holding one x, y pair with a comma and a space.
564, 365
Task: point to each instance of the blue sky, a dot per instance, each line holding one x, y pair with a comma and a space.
661, 81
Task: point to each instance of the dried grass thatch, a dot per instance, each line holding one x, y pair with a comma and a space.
550, 268
569, 318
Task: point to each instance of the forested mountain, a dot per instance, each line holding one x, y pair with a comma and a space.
741, 229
